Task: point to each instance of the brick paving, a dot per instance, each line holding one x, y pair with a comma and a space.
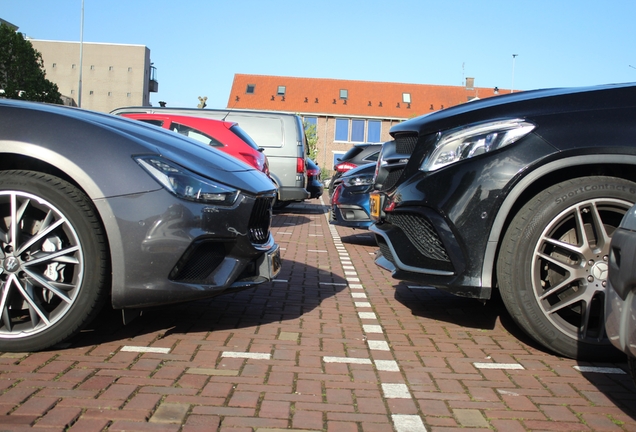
333, 344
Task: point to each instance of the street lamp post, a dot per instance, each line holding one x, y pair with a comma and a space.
512, 86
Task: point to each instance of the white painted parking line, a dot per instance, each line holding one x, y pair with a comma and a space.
315, 250
355, 286
396, 391
378, 345
247, 355
348, 267
316, 235
352, 360
372, 328
408, 423
332, 283
280, 280
350, 273
498, 366
283, 233
387, 365
367, 315
352, 279
358, 295
362, 304
421, 287
141, 349
596, 369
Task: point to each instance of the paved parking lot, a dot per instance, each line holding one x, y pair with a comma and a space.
333, 344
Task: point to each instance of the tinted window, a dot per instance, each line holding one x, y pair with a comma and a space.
357, 130
244, 136
373, 131
153, 122
342, 129
352, 152
194, 134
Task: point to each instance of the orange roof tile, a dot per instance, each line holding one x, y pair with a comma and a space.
365, 98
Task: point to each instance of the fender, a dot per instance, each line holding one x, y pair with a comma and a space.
488, 266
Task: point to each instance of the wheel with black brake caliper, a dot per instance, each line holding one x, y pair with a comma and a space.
53, 261
553, 262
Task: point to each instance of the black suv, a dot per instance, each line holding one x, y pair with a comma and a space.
519, 192
359, 154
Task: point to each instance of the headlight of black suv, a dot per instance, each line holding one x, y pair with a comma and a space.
466, 142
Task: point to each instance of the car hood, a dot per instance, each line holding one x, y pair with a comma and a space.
524, 104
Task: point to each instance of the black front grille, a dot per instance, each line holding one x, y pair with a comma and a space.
421, 233
384, 249
198, 262
405, 143
392, 179
260, 220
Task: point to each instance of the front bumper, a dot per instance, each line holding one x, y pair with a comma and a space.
167, 250
350, 207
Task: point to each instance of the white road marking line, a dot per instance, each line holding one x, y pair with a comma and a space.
352, 360
387, 365
358, 295
396, 391
498, 366
408, 423
363, 304
378, 345
372, 328
247, 355
141, 349
367, 315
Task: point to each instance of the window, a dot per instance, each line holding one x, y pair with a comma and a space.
153, 122
281, 91
406, 98
195, 134
357, 130
54, 65
110, 93
73, 66
128, 94
344, 94
310, 121
342, 129
129, 69
90, 92
92, 67
374, 127
336, 156
250, 89
110, 68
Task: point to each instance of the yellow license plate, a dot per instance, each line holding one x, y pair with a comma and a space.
374, 205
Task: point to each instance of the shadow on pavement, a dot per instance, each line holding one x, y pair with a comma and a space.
287, 298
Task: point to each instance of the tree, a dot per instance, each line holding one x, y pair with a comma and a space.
22, 73
312, 140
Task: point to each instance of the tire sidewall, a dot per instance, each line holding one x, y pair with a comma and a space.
516, 258
79, 211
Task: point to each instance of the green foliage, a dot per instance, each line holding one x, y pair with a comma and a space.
312, 140
22, 70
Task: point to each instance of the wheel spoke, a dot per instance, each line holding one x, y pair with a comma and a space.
49, 286
57, 256
41, 234
4, 308
603, 239
33, 307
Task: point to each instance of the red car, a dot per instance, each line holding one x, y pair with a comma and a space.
226, 136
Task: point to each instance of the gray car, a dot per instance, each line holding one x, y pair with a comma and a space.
94, 207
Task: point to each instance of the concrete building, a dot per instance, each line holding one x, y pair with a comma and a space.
346, 112
113, 75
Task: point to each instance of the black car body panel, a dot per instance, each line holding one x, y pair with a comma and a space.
467, 204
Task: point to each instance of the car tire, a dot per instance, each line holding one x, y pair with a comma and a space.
54, 268
552, 279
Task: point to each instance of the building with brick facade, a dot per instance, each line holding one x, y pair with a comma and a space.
346, 112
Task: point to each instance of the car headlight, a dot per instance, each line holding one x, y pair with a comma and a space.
186, 184
469, 141
361, 180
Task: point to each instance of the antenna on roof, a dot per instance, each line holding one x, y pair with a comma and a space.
230, 110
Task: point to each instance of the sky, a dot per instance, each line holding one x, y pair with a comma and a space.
198, 45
